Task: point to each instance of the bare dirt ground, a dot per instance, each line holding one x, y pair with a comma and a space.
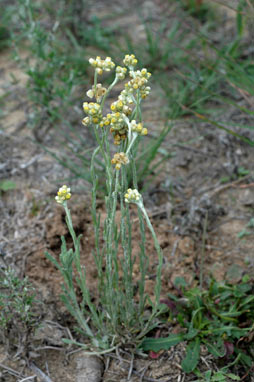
188, 190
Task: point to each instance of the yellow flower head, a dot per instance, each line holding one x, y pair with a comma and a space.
139, 80
101, 65
93, 110
120, 159
138, 128
96, 92
120, 72
63, 194
132, 196
130, 60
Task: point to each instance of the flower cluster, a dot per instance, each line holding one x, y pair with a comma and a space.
63, 194
138, 128
121, 109
126, 96
96, 92
117, 121
132, 196
102, 65
118, 127
120, 159
117, 106
94, 113
121, 72
139, 79
130, 60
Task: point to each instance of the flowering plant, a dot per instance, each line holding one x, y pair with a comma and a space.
118, 319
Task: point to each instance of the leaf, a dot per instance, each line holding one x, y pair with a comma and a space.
191, 333
192, 357
243, 233
245, 359
6, 185
180, 282
208, 375
217, 349
239, 19
157, 344
233, 376
246, 301
53, 260
153, 354
219, 376
234, 273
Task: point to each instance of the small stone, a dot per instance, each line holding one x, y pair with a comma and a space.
234, 273
218, 271
89, 368
247, 198
186, 245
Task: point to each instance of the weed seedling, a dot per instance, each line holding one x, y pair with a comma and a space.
18, 318
220, 318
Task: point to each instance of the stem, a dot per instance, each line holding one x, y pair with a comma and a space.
82, 276
203, 251
108, 91
70, 226
96, 223
127, 265
95, 80
159, 252
112, 277
143, 258
106, 157
138, 108
135, 135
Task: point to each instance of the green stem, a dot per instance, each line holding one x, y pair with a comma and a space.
108, 91
203, 251
95, 80
125, 230
96, 222
143, 258
138, 109
112, 281
82, 276
106, 157
134, 137
159, 252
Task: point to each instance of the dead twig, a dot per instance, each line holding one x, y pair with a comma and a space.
174, 248
130, 368
11, 371
49, 347
246, 185
229, 7
28, 378
142, 373
228, 185
43, 377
